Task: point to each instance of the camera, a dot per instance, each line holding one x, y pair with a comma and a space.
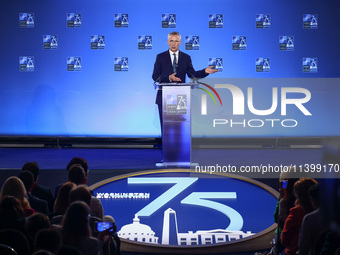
101, 226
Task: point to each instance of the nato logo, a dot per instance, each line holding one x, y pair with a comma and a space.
145, 42
97, 42
310, 65
26, 20
50, 42
26, 64
168, 20
73, 19
121, 20
239, 42
73, 63
215, 20
176, 104
262, 20
286, 43
192, 42
310, 21
262, 65
217, 62
121, 64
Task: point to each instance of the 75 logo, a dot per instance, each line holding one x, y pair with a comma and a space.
195, 198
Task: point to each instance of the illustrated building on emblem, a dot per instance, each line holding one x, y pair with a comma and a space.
138, 232
199, 237
143, 233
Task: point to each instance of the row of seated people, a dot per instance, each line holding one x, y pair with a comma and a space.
301, 228
302, 225
33, 222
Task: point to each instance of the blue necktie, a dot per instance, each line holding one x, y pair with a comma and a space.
174, 64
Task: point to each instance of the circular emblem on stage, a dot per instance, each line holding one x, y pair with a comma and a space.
181, 208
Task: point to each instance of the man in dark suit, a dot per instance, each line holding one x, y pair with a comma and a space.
37, 204
75, 161
173, 66
38, 190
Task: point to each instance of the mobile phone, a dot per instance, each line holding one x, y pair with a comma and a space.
101, 226
284, 184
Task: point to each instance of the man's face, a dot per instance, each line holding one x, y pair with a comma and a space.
174, 42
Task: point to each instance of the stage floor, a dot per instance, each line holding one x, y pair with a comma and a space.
106, 163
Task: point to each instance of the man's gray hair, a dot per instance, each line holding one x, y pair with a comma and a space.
174, 33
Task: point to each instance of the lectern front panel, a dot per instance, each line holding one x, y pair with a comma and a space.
176, 126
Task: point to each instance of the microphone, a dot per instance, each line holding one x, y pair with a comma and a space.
156, 81
206, 85
195, 80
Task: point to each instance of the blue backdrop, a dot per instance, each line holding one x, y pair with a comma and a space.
100, 98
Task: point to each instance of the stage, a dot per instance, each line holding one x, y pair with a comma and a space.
106, 163
79, 81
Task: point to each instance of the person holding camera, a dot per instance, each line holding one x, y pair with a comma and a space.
76, 232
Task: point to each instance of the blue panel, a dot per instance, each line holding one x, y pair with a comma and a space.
104, 97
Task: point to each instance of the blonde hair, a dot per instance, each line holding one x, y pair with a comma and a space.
63, 198
13, 186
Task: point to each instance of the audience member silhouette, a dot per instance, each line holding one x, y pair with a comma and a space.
96, 207
48, 239
312, 225
37, 204
13, 186
285, 202
331, 243
75, 161
79, 161
82, 193
291, 230
39, 190
34, 224
16, 240
76, 174
62, 201
12, 214
114, 245
75, 229
78, 193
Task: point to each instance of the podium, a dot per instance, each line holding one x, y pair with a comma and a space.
176, 124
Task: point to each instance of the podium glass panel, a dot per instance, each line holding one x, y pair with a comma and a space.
176, 125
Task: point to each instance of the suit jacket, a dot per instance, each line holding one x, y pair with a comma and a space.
44, 193
163, 68
38, 204
311, 230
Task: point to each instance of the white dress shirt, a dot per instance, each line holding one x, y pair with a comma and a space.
172, 56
